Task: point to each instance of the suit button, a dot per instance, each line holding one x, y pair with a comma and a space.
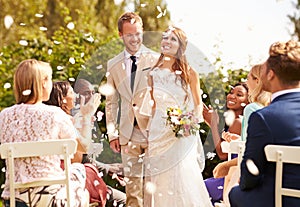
134, 105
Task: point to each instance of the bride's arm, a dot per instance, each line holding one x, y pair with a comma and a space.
196, 93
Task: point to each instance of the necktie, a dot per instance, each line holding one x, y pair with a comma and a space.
133, 69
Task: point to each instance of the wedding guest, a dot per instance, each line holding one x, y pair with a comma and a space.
126, 75
258, 99
277, 123
84, 91
236, 100
63, 96
176, 159
31, 120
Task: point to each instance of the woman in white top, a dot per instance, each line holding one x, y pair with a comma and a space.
31, 120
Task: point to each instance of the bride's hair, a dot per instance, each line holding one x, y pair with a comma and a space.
180, 63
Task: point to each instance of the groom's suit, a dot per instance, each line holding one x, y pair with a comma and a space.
278, 123
130, 100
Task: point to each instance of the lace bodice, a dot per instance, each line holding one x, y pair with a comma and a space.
26, 122
167, 89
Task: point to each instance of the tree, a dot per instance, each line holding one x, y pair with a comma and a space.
295, 19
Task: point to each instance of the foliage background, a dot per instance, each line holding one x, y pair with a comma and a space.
45, 27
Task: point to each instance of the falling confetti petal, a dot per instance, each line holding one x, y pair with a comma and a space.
72, 60
8, 21
43, 28
72, 79
252, 167
59, 67
7, 85
70, 25
99, 115
23, 42
132, 21
50, 51
100, 67
229, 117
22, 24
150, 187
26, 92
106, 89
90, 39
56, 42
158, 8
39, 15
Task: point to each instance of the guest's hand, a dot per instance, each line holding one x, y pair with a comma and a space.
221, 170
115, 145
227, 136
211, 116
91, 106
115, 168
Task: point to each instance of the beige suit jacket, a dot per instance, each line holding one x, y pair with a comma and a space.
122, 96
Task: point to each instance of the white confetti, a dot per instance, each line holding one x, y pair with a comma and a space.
252, 167
7, 85
23, 42
26, 92
39, 15
8, 21
70, 25
72, 60
43, 28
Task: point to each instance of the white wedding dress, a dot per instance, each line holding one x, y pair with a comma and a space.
174, 165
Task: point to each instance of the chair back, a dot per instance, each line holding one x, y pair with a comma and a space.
234, 147
63, 147
282, 154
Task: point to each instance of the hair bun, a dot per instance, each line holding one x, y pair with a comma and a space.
291, 49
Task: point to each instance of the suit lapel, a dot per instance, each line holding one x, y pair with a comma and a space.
123, 80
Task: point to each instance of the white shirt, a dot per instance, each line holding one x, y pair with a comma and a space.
279, 93
128, 62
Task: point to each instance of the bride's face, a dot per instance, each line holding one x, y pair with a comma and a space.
169, 44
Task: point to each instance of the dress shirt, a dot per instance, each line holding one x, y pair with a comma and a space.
128, 63
279, 93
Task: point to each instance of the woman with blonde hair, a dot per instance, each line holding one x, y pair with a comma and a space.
31, 120
258, 99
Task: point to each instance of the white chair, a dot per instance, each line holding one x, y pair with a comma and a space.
282, 154
234, 147
63, 147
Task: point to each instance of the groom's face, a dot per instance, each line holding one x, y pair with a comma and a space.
132, 36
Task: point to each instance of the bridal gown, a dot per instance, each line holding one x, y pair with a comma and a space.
174, 167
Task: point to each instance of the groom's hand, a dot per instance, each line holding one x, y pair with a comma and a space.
115, 145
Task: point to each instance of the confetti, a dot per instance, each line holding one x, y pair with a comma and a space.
252, 167
26, 92
8, 21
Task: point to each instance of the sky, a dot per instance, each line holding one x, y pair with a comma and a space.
242, 29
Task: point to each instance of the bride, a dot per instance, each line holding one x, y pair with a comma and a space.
174, 163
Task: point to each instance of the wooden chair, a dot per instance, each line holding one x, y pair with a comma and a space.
282, 154
63, 147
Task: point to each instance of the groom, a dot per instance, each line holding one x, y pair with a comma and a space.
277, 123
126, 74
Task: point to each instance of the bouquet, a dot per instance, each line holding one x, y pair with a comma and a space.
182, 122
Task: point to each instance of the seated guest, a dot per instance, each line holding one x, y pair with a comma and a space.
258, 99
236, 101
31, 120
278, 124
62, 95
